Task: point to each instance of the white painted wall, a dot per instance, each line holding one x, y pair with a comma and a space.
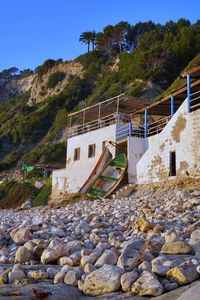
59, 182
135, 152
77, 172
154, 164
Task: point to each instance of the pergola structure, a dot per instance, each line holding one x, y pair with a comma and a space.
125, 108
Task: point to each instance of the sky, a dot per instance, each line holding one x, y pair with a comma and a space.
32, 31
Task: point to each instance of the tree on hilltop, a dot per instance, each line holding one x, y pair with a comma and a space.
88, 37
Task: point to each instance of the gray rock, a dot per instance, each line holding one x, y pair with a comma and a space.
128, 279
23, 255
132, 255
183, 274
147, 285
20, 235
16, 275
72, 277
108, 257
177, 247
102, 281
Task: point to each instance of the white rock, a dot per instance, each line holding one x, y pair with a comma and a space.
103, 281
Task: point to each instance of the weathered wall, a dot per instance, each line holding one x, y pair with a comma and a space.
78, 171
59, 182
196, 142
135, 152
181, 134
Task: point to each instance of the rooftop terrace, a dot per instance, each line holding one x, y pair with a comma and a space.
124, 109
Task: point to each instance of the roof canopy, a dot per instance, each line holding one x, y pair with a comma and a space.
132, 105
121, 103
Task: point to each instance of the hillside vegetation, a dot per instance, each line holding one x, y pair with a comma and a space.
124, 58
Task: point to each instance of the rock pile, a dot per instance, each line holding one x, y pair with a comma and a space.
147, 244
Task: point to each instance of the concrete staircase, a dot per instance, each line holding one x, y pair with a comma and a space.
124, 191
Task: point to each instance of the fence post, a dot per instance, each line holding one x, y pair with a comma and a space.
145, 129
145, 122
130, 129
172, 105
188, 91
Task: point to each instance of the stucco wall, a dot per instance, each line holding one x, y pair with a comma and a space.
178, 135
59, 182
78, 171
196, 142
135, 152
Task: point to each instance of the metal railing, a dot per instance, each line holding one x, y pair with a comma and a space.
116, 118
157, 126
195, 100
123, 132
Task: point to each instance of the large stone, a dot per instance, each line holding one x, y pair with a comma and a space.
177, 247
38, 275
132, 255
128, 279
20, 235
195, 240
144, 225
103, 281
23, 255
4, 276
108, 257
72, 277
52, 255
183, 274
147, 285
59, 277
16, 275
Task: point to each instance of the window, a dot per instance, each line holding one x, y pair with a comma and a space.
172, 163
77, 152
91, 150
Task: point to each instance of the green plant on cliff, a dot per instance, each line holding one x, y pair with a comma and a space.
43, 195
13, 194
55, 78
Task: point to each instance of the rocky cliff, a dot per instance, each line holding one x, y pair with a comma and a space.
40, 86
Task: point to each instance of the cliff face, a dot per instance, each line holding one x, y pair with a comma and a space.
14, 86
38, 85
40, 88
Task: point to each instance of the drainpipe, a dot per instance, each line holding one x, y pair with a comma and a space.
188, 91
172, 106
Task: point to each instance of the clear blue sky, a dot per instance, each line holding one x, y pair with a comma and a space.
32, 31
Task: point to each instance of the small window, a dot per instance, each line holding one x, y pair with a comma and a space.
77, 152
172, 163
91, 150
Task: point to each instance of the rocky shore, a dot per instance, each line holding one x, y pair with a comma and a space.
143, 246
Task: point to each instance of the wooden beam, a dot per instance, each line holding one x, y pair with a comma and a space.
191, 71
156, 103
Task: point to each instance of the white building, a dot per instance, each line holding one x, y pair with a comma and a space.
161, 138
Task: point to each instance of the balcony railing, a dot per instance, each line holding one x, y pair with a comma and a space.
116, 118
195, 100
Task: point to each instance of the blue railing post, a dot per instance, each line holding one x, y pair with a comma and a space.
145, 123
188, 91
130, 129
172, 105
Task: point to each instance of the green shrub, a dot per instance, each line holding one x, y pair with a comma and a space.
43, 196
43, 69
55, 78
13, 194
